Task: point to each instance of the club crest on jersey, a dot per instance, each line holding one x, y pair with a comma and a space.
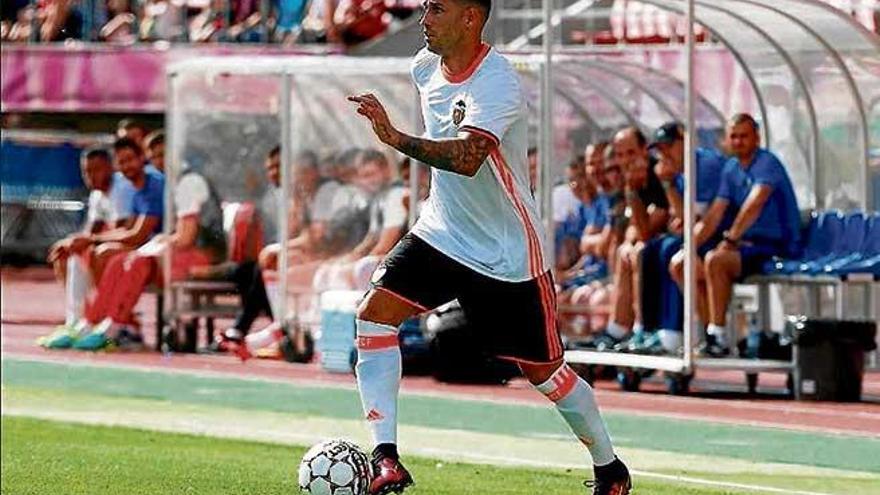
458, 112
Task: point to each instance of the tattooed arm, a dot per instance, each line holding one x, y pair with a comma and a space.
463, 154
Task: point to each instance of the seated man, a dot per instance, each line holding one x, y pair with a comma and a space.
647, 207
388, 219
71, 270
755, 185
144, 210
198, 240
572, 203
154, 148
665, 313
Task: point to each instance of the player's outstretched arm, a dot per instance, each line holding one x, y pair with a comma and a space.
463, 154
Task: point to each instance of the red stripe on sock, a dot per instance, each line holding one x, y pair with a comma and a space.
376, 342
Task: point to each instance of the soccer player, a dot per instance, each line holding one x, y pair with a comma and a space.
478, 240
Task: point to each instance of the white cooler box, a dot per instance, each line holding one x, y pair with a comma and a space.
336, 342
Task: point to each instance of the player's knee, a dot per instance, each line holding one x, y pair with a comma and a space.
379, 307
538, 373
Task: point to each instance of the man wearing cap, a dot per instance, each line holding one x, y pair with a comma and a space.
665, 313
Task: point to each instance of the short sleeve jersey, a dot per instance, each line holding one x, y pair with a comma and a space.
710, 164
488, 222
100, 208
150, 200
780, 218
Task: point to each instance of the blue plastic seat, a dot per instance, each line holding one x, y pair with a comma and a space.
848, 249
822, 237
867, 260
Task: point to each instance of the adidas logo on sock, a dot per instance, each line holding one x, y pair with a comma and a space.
374, 415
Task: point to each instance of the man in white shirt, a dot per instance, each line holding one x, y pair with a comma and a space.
478, 240
72, 269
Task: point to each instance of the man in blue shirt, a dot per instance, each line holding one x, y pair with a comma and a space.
665, 313
754, 185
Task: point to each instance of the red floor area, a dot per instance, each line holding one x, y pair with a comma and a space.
32, 303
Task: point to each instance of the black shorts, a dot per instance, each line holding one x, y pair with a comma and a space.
513, 320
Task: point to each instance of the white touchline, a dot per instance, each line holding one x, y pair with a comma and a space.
647, 474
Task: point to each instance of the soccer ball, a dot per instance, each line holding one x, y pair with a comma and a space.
335, 467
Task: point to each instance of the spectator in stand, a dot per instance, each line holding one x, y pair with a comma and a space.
647, 205
71, 270
198, 240
766, 223
15, 15
120, 26
661, 258
162, 20
61, 20
288, 20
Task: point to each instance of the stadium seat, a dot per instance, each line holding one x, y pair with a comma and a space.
833, 241
852, 245
867, 260
822, 228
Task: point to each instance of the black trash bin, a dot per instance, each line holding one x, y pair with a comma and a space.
831, 357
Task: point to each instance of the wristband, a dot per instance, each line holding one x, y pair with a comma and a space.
728, 238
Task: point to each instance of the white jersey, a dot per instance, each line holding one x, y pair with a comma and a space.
488, 222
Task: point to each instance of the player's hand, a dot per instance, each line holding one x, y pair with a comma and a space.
370, 107
79, 244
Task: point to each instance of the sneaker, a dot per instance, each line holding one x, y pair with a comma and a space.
96, 339
711, 348
225, 341
128, 340
604, 342
649, 344
239, 349
62, 337
389, 475
632, 344
612, 479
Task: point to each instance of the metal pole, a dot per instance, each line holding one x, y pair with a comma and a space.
174, 118
690, 183
35, 25
286, 173
545, 149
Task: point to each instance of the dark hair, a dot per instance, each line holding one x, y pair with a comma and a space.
155, 138
533, 150
96, 152
485, 5
742, 118
125, 142
131, 124
275, 151
377, 156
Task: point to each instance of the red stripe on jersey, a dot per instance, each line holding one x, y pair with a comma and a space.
482, 132
376, 342
536, 263
469, 71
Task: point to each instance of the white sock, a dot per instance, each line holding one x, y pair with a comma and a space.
378, 377
638, 327
78, 283
576, 403
270, 280
616, 330
719, 332
671, 340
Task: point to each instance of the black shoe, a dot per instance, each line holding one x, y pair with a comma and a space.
612, 479
711, 348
